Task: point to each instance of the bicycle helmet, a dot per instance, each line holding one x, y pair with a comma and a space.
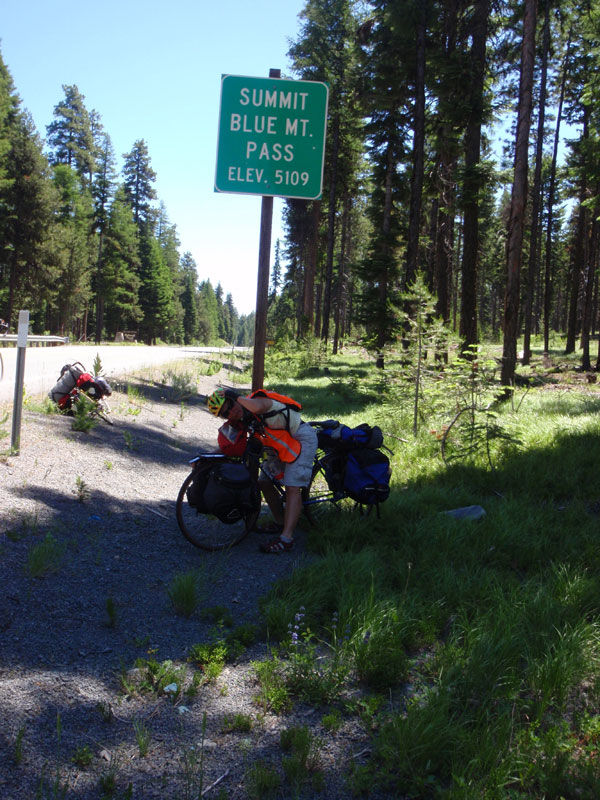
104, 387
215, 401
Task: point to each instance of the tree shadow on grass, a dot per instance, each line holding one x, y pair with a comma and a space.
338, 402
541, 509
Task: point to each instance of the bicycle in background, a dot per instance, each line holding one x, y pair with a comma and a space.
76, 385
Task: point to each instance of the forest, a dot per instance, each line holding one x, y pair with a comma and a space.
461, 150
91, 252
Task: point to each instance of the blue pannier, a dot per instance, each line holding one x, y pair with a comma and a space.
367, 476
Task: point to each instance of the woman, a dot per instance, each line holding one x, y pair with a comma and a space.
291, 444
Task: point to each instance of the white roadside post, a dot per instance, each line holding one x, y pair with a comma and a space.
22, 331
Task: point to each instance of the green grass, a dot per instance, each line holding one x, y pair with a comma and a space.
142, 737
209, 658
237, 723
82, 419
483, 637
155, 678
45, 557
262, 781
185, 591
468, 651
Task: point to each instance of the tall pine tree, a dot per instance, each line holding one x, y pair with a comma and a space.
139, 178
70, 136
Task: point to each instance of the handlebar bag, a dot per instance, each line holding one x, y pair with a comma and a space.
95, 387
225, 490
231, 440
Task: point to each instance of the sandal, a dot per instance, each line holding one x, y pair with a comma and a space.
270, 528
277, 546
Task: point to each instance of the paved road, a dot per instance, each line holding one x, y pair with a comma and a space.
42, 364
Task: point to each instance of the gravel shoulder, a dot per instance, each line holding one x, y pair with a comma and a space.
61, 660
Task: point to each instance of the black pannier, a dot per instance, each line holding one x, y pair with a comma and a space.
223, 489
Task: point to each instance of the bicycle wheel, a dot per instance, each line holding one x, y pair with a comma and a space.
206, 531
103, 411
318, 499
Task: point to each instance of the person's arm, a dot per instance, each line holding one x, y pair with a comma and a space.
256, 405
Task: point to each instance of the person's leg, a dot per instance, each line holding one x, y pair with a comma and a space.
287, 516
297, 475
293, 509
273, 500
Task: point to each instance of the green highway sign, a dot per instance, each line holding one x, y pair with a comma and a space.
271, 137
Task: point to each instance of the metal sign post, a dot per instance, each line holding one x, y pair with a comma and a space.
22, 331
271, 143
262, 294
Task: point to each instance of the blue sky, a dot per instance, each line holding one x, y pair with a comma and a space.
152, 70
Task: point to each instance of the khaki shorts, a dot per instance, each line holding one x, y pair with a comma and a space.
299, 471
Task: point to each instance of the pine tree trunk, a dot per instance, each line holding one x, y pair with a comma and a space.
533, 266
416, 182
455, 274
341, 283
383, 277
433, 225
586, 316
310, 269
446, 181
472, 179
576, 262
593, 330
443, 258
99, 291
330, 231
551, 191
318, 306
519, 197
